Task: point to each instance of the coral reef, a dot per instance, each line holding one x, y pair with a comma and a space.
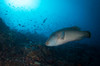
17, 49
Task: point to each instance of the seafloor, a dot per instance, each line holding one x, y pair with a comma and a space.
18, 49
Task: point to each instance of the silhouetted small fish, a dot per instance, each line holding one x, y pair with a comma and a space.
6, 11
30, 20
67, 35
44, 20
19, 24
6, 14
23, 26
34, 25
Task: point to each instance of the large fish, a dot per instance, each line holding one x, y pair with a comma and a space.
67, 35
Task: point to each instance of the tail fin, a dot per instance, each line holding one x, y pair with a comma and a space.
88, 34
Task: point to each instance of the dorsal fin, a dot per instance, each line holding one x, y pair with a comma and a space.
72, 28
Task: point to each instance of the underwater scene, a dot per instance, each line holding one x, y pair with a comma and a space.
49, 32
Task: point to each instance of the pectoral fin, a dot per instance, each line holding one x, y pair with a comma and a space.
62, 35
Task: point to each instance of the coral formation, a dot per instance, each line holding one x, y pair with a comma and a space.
17, 49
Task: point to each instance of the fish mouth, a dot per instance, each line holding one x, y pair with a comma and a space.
47, 43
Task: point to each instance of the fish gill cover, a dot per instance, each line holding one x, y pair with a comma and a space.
24, 30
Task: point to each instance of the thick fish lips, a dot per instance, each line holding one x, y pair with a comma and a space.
47, 43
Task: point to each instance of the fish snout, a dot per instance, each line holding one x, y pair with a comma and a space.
47, 43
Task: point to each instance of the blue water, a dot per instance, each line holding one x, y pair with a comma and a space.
48, 16
59, 14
